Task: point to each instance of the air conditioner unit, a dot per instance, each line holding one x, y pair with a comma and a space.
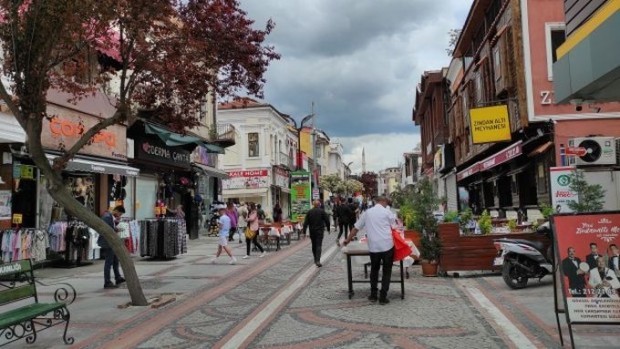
598, 150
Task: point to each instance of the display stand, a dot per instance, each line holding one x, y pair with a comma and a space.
160, 238
74, 244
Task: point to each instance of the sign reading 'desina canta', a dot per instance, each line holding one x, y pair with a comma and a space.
490, 124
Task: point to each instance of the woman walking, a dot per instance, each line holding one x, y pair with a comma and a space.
253, 226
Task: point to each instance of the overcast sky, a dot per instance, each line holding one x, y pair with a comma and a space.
359, 61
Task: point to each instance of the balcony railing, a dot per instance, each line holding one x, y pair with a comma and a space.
223, 135
286, 160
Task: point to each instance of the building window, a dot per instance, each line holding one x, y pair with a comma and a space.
555, 34
253, 144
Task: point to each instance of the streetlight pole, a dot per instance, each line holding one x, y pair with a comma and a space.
299, 129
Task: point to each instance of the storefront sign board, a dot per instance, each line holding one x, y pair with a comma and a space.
281, 178
246, 179
67, 127
152, 149
590, 285
200, 155
490, 124
502, 156
300, 194
561, 194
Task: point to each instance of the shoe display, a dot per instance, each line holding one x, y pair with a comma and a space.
384, 301
120, 281
246, 256
109, 285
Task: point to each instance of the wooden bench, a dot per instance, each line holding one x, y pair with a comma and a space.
22, 316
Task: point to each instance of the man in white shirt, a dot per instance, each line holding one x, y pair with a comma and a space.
604, 280
377, 223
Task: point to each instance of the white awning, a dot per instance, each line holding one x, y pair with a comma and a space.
86, 165
212, 171
10, 130
244, 193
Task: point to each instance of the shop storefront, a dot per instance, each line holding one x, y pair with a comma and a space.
248, 186
204, 161
98, 169
166, 177
508, 183
281, 190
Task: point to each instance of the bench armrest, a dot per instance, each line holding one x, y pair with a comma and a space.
65, 293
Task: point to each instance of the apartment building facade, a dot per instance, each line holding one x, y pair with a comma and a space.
260, 162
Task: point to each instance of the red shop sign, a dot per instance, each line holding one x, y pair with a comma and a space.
248, 173
501, 157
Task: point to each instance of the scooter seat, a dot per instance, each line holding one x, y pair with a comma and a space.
536, 244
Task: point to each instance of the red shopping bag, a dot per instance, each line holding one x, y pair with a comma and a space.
401, 248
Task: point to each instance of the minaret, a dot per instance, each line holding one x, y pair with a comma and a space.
363, 161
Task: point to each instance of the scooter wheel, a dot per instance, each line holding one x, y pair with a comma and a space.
513, 276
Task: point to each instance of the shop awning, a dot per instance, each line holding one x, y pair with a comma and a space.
171, 139
244, 193
540, 149
86, 165
10, 130
211, 171
512, 151
212, 148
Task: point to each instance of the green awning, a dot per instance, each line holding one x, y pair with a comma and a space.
171, 139
212, 148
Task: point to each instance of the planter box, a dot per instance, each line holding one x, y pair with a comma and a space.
473, 252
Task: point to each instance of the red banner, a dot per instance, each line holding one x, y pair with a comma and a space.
589, 265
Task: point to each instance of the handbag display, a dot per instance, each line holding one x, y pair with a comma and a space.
249, 233
401, 248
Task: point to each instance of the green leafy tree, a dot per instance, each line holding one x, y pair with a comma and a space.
331, 182
590, 196
350, 186
424, 203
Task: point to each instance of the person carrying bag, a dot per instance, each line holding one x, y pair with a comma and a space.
251, 233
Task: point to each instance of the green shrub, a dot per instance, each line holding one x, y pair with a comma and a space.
485, 223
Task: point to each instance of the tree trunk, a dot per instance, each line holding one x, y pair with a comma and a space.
61, 194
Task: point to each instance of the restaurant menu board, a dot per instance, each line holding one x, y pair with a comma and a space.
300, 194
587, 246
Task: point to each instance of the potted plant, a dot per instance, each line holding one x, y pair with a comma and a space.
465, 218
485, 223
424, 203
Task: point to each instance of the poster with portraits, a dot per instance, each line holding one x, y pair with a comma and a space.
589, 264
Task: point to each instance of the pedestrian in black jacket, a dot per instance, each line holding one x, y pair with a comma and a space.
344, 219
317, 220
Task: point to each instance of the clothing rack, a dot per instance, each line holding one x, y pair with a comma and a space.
73, 243
23, 243
162, 238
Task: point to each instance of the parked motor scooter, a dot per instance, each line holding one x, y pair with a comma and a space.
522, 260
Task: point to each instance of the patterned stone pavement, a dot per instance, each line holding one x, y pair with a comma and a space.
434, 314
284, 301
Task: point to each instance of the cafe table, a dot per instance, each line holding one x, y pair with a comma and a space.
359, 248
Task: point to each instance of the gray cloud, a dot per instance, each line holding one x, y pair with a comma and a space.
359, 61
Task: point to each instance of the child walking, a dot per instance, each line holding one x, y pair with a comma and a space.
224, 225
